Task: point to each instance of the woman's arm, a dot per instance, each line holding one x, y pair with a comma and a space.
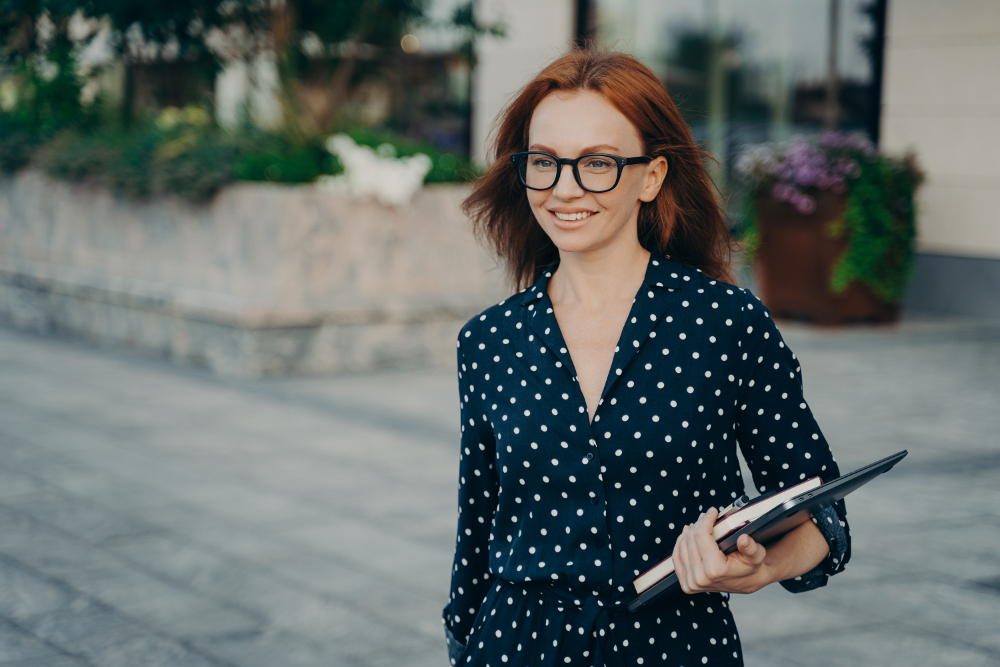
782, 443
477, 497
701, 566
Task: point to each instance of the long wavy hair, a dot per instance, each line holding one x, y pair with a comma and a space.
684, 221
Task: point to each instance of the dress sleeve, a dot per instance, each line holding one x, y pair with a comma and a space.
779, 438
477, 499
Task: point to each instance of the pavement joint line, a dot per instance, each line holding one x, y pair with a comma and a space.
114, 555
65, 423
933, 575
913, 628
100, 604
62, 651
799, 637
157, 461
322, 596
951, 465
359, 413
353, 566
942, 524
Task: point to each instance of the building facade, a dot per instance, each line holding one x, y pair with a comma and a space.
914, 75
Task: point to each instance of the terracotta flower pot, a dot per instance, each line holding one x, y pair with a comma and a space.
795, 260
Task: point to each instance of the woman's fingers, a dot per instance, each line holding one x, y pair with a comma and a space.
701, 566
711, 561
751, 549
688, 561
681, 558
692, 561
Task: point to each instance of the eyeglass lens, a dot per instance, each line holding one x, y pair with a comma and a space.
540, 171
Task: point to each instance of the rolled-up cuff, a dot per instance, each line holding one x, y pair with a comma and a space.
832, 523
455, 647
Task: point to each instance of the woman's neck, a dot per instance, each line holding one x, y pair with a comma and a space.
598, 278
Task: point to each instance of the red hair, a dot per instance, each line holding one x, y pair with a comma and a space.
684, 221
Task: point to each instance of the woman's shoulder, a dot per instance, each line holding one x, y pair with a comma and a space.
712, 293
728, 314
498, 316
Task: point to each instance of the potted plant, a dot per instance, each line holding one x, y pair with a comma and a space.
830, 224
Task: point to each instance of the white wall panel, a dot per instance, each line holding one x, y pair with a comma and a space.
941, 98
537, 33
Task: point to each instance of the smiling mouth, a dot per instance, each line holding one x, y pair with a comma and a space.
570, 217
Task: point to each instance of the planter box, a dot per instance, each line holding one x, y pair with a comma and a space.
795, 261
264, 279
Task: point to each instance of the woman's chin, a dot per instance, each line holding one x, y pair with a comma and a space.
583, 240
577, 243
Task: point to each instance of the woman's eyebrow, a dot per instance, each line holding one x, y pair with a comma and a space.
588, 149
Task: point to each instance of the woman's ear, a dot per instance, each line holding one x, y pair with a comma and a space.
656, 171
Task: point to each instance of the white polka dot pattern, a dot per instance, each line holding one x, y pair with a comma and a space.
545, 496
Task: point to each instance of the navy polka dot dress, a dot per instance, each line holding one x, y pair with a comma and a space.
557, 515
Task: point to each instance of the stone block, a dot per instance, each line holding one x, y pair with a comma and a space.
263, 280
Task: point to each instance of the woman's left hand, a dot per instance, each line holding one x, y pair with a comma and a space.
701, 566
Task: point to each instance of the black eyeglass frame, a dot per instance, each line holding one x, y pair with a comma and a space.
622, 162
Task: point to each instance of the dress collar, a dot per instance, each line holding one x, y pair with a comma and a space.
661, 272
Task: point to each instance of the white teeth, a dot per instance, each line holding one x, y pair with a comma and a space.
573, 216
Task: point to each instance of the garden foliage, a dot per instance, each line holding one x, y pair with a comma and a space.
45, 121
181, 152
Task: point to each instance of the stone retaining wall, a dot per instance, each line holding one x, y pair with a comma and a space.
264, 279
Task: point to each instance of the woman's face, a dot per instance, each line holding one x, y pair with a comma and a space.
568, 125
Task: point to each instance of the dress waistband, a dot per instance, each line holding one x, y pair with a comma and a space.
593, 622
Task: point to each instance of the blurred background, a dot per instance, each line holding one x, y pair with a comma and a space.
233, 266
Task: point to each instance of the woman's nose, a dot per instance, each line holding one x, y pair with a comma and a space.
567, 187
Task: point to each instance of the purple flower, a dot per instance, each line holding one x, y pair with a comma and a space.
804, 164
805, 204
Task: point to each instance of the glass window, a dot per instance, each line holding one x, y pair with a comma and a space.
749, 71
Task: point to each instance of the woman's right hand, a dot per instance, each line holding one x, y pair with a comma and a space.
701, 566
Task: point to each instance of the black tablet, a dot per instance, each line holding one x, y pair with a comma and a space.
781, 520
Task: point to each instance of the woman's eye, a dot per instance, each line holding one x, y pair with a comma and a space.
541, 163
598, 164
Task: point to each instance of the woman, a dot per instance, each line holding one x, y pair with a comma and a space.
602, 404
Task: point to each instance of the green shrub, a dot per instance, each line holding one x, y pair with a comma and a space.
192, 162
18, 142
273, 158
179, 151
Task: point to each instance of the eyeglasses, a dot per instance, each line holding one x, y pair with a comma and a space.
594, 172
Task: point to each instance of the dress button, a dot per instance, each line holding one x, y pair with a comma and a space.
590, 456
593, 501
599, 544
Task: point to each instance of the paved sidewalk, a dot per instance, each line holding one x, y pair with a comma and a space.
151, 515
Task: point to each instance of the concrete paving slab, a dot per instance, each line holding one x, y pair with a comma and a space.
17, 645
77, 517
173, 609
155, 515
773, 614
51, 551
101, 636
53, 661
878, 644
277, 648
24, 594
